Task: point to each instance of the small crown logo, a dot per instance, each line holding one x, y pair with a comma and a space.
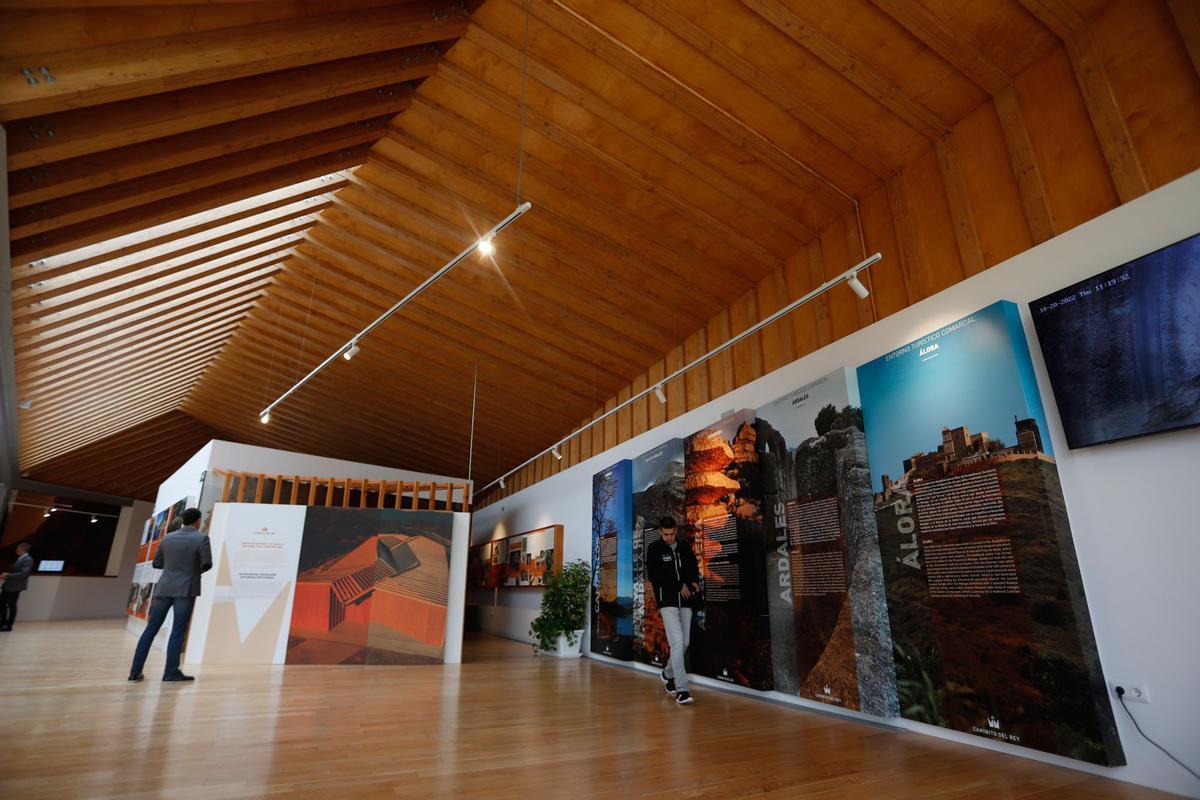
993, 723
827, 689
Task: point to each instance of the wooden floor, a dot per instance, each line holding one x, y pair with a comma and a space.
504, 724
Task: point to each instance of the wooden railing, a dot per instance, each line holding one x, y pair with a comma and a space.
257, 487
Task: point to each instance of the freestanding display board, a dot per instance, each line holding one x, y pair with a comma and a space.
731, 638
317, 585
991, 627
657, 492
612, 562
830, 637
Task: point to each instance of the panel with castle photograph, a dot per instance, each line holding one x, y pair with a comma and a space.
991, 629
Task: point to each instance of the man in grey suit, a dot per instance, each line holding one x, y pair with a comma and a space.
16, 580
181, 556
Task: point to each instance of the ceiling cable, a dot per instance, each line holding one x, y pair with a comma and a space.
521, 123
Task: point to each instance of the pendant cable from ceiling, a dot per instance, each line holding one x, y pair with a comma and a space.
521, 118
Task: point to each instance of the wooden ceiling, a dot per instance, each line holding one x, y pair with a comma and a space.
206, 200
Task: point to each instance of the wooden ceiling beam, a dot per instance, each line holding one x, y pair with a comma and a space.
621, 174
36, 279
109, 73
1186, 14
604, 246
71, 237
75, 417
736, 63
48, 372
61, 439
48, 182
94, 311
81, 132
43, 302
1057, 15
159, 186
854, 68
487, 286
574, 102
209, 303
244, 282
224, 220
129, 446
757, 145
947, 43
133, 362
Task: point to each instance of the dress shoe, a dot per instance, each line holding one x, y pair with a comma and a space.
178, 676
136, 678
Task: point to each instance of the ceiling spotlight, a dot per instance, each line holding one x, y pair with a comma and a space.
660, 394
265, 418
352, 351
486, 247
46, 514
854, 283
24, 404
53, 509
94, 520
557, 454
502, 482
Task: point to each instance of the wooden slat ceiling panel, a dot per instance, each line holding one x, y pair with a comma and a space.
298, 182
162, 165
132, 462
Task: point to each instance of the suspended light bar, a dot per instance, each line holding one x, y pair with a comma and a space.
849, 277
348, 349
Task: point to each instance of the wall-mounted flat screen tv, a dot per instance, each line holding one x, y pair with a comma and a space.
1123, 347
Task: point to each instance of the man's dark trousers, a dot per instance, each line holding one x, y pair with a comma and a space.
158, 615
8, 608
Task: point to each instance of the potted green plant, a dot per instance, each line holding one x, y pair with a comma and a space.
559, 628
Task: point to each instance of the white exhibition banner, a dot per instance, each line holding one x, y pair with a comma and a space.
244, 611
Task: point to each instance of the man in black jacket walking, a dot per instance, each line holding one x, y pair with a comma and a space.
675, 576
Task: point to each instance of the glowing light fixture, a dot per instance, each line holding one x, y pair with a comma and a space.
483, 244
660, 394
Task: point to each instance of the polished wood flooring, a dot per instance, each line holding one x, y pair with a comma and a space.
504, 724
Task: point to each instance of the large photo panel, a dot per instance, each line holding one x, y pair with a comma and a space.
658, 491
990, 625
372, 587
731, 636
830, 637
612, 562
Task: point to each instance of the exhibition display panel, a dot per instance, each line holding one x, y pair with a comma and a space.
522, 560
891, 540
992, 631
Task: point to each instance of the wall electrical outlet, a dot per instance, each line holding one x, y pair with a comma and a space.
1134, 692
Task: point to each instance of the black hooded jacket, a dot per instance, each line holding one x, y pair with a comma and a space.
668, 573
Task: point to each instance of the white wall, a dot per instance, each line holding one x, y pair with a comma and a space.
65, 597
1131, 504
